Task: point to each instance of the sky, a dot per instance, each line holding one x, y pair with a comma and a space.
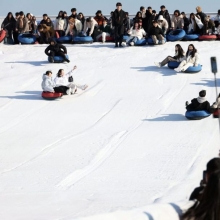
89, 7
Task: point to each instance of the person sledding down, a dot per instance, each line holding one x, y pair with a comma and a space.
200, 103
55, 49
63, 83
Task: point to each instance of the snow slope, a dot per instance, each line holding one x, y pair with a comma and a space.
121, 144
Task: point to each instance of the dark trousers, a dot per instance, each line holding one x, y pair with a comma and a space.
15, 37
59, 53
61, 89
61, 33
118, 35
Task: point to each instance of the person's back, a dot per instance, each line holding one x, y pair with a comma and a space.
200, 13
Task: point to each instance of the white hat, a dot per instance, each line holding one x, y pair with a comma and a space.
160, 18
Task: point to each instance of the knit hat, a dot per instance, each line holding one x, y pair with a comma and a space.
202, 93
198, 9
160, 18
119, 4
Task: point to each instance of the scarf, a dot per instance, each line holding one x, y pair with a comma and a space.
201, 99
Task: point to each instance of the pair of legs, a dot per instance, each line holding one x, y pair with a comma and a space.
158, 38
74, 87
165, 61
59, 53
118, 35
183, 66
130, 40
61, 89
103, 35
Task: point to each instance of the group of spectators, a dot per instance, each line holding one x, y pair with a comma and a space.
118, 24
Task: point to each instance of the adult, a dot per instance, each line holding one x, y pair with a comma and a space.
136, 33
200, 103
164, 12
73, 13
178, 57
137, 17
46, 33
90, 27
208, 207
49, 23
60, 24
30, 22
44, 20
156, 33
9, 25
22, 24
148, 20
48, 85
195, 24
186, 22
143, 11
55, 49
200, 13
81, 18
127, 23
66, 18
74, 27
163, 24
15, 30
216, 19
192, 59
209, 26
212, 166
105, 31
99, 18
118, 19
62, 80
177, 21
110, 19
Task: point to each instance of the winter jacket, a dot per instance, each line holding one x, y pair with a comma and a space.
77, 25
216, 18
186, 24
208, 25
195, 25
164, 25
194, 60
166, 15
9, 25
99, 20
202, 16
55, 48
155, 31
148, 21
63, 80
50, 24
47, 84
25, 27
199, 104
118, 18
48, 31
180, 59
92, 24
140, 33
60, 24
105, 29
177, 22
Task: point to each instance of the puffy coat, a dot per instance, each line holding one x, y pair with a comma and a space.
164, 25
180, 59
77, 24
47, 84
92, 24
48, 31
140, 33
25, 27
60, 24
194, 60
55, 48
155, 31
99, 20
166, 15
63, 80
9, 25
177, 22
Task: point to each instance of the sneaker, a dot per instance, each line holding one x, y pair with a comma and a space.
187, 103
156, 42
68, 91
51, 59
123, 44
177, 69
132, 43
157, 64
84, 87
163, 41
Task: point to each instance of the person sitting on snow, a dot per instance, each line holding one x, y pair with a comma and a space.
156, 33
209, 26
163, 24
55, 49
106, 31
46, 33
192, 59
48, 85
200, 103
66, 80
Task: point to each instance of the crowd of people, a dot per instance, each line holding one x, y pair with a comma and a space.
147, 22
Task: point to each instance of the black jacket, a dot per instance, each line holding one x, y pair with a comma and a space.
9, 25
147, 21
118, 18
202, 16
155, 31
196, 106
166, 15
56, 48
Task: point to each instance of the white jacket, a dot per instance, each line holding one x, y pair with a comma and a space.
194, 60
180, 59
78, 25
92, 24
47, 84
60, 24
164, 24
63, 80
198, 22
140, 33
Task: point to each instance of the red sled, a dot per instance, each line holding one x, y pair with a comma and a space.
51, 95
2, 35
108, 39
207, 37
216, 113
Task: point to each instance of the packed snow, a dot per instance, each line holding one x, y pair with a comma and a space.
121, 144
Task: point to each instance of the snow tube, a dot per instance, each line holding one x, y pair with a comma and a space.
216, 113
26, 38
2, 35
138, 42
108, 39
151, 42
196, 115
173, 64
51, 96
176, 35
82, 40
58, 59
207, 37
194, 69
191, 37
64, 39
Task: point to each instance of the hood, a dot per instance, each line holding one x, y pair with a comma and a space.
52, 40
201, 99
44, 77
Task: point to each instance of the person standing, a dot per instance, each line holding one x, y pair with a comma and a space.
118, 23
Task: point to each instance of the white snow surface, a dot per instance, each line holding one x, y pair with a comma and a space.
122, 144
